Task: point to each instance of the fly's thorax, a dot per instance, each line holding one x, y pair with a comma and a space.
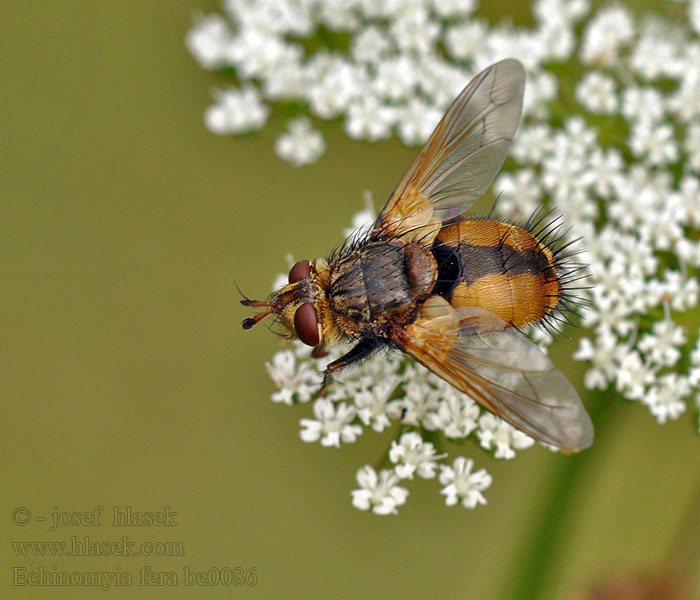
500, 267
378, 283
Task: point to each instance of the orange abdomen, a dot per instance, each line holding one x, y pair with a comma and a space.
499, 267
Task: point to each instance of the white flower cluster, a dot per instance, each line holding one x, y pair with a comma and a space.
382, 391
616, 151
383, 66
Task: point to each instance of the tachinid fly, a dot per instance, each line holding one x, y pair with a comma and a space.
451, 291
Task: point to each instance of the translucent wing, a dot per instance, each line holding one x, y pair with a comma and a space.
495, 364
462, 156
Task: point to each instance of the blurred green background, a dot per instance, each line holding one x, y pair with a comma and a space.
127, 379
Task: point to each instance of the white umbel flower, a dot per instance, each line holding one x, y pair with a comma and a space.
208, 41
301, 144
236, 111
496, 434
332, 425
694, 15
295, 380
413, 455
665, 397
462, 485
456, 416
378, 491
596, 92
610, 29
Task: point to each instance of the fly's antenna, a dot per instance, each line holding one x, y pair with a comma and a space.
245, 298
249, 322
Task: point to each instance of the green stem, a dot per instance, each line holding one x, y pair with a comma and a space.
547, 536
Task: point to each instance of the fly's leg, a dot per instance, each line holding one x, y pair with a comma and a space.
359, 351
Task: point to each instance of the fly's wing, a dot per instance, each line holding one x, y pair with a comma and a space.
479, 354
462, 156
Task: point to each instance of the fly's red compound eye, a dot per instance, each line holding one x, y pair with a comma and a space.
306, 324
299, 271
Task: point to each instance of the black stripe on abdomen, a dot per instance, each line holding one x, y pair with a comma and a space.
478, 261
469, 263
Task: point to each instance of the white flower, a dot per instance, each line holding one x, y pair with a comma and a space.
562, 13
272, 16
301, 144
692, 146
695, 353
335, 83
369, 119
418, 398
684, 101
654, 142
519, 194
440, 81
532, 144
414, 31
493, 432
395, 78
642, 104
688, 200
370, 45
257, 53
465, 40
600, 353
694, 15
371, 404
658, 51
454, 8
610, 308
632, 374
236, 111
682, 290
208, 41
688, 252
542, 90
662, 346
286, 78
372, 9
461, 485
332, 424
416, 121
563, 169
665, 397
610, 29
413, 455
456, 415
604, 171
555, 41
295, 380
597, 93
378, 492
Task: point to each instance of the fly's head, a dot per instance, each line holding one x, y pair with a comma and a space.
302, 305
